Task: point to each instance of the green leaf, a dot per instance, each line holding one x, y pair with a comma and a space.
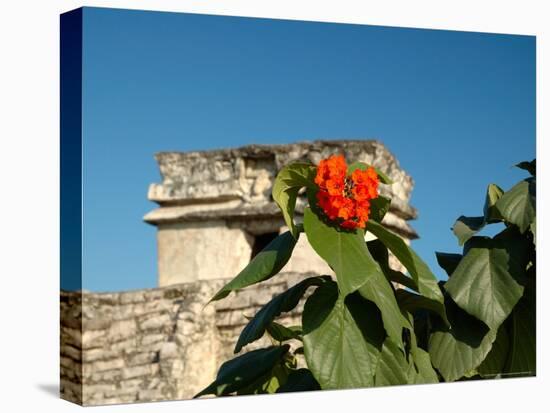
490, 212
522, 356
269, 383
530, 167
458, 350
487, 281
299, 380
378, 290
282, 303
347, 254
393, 367
411, 302
379, 208
288, 182
420, 273
342, 338
518, 205
400, 278
466, 227
421, 370
448, 261
385, 179
244, 370
282, 333
380, 253
495, 362
266, 264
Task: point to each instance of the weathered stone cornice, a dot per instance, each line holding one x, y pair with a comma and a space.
237, 182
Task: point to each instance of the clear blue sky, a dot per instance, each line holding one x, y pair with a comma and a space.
457, 109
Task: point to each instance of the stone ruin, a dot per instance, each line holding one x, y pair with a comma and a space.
215, 212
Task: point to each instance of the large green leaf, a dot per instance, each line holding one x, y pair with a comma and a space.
282, 333
392, 368
490, 212
466, 227
299, 380
380, 253
458, 350
269, 383
421, 370
448, 261
411, 302
522, 356
342, 338
378, 290
347, 254
421, 274
244, 370
518, 205
288, 182
487, 281
379, 207
495, 362
283, 302
263, 266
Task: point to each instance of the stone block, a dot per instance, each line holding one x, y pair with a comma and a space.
192, 251
150, 339
152, 394
169, 350
142, 358
137, 371
128, 346
155, 321
122, 329
102, 365
94, 354
71, 352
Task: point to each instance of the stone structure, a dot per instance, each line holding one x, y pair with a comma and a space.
215, 212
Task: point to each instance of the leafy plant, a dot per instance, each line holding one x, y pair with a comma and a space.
371, 325
490, 294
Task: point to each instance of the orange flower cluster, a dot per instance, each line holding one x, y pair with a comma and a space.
342, 197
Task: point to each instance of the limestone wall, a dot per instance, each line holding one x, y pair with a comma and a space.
156, 344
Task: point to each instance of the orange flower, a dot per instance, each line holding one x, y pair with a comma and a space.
361, 192
331, 169
363, 210
346, 208
335, 186
344, 198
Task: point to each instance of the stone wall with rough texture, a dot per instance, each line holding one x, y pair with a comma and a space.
156, 344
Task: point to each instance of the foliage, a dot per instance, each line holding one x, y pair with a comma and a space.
490, 294
371, 325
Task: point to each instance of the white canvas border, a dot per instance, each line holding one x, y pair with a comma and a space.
29, 99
